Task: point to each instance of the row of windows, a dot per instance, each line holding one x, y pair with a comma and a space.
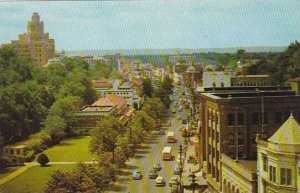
256, 118
285, 173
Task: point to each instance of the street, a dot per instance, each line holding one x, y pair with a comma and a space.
150, 153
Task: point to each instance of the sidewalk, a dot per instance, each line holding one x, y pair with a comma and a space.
190, 168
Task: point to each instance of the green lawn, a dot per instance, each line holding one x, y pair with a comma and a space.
33, 180
76, 149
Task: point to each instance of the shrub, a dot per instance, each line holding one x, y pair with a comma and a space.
42, 159
3, 163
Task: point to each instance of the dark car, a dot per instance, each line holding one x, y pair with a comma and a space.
183, 121
161, 132
152, 174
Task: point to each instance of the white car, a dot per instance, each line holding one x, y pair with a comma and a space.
159, 181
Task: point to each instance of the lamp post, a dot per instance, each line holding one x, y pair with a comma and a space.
193, 180
180, 162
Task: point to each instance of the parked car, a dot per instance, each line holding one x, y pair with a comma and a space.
159, 181
185, 133
175, 189
183, 121
157, 167
137, 174
173, 181
152, 174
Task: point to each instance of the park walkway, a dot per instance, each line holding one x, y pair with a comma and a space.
18, 172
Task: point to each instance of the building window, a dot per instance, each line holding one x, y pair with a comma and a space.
230, 139
240, 119
241, 140
266, 121
230, 119
277, 117
285, 176
265, 162
272, 173
254, 118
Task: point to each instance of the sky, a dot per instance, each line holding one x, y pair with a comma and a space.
88, 25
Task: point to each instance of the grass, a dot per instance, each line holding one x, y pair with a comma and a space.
70, 150
33, 180
8, 170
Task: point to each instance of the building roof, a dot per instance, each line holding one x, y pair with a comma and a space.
101, 82
103, 101
288, 133
116, 100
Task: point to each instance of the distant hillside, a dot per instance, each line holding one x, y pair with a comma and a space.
176, 51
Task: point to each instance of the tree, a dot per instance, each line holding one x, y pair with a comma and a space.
104, 136
55, 126
155, 108
143, 120
147, 88
42, 159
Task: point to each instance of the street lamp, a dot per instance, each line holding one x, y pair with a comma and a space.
193, 180
180, 162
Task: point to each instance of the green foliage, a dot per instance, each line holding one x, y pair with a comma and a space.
281, 67
147, 88
105, 135
42, 159
155, 108
143, 120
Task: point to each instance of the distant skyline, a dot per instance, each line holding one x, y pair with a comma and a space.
88, 25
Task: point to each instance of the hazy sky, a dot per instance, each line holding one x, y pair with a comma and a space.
83, 25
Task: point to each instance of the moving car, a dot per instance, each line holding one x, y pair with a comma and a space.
157, 167
167, 153
161, 132
159, 181
171, 137
152, 174
177, 169
173, 181
137, 174
183, 121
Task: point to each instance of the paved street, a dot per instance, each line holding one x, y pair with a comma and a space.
148, 154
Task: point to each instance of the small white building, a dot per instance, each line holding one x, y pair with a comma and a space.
278, 163
216, 79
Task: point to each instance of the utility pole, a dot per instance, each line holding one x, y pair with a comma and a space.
236, 135
262, 115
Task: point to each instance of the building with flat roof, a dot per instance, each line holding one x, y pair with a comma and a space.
231, 117
35, 43
238, 176
251, 80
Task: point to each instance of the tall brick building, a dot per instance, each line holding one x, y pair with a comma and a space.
231, 116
